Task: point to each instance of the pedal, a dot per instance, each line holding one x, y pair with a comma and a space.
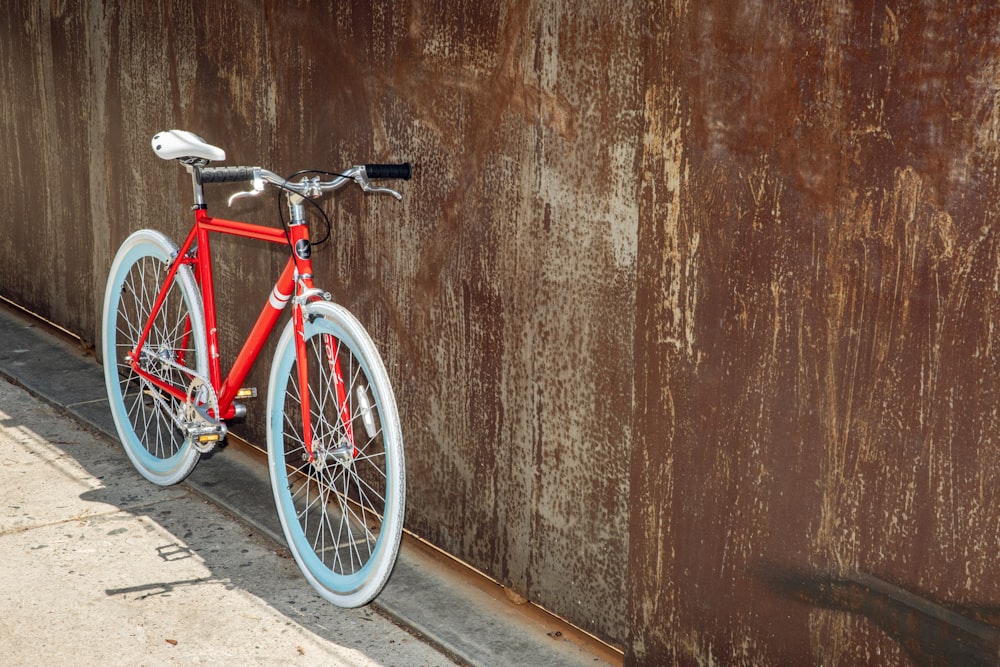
201, 416
247, 392
205, 436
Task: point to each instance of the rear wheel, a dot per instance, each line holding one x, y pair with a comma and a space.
144, 415
340, 504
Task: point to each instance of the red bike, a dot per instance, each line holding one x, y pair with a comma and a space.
335, 450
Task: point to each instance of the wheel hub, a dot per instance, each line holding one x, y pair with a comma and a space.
324, 457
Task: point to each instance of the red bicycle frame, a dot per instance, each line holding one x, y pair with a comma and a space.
295, 281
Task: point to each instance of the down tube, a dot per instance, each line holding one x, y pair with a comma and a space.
280, 295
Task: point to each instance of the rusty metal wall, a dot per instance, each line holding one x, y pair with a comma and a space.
814, 469
500, 291
689, 306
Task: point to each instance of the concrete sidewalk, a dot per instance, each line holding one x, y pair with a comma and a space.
103, 567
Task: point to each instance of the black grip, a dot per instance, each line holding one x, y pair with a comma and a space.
226, 174
402, 171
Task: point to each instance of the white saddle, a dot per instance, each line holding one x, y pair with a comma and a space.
180, 144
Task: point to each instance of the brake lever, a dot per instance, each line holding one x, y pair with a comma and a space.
386, 191
366, 185
258, 187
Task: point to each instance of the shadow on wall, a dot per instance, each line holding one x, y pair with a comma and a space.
931, 632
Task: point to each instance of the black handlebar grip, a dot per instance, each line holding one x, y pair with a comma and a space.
402, 171
226, 174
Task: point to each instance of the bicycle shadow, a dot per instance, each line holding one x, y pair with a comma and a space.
234, 556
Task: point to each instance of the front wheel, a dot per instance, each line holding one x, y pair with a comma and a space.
340, 498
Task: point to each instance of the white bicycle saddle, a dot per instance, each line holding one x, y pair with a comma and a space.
174, 144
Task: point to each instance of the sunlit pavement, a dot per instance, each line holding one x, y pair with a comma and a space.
106, 568
100, 567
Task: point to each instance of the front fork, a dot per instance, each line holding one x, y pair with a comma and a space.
302, 367
333, 360
344, 449
305, 293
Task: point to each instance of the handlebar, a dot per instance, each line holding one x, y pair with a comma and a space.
307, 187
402, 171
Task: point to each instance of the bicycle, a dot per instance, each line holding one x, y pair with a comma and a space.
334, 443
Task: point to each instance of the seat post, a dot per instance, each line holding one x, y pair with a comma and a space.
199, 192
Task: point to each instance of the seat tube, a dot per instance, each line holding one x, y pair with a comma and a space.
208, 300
